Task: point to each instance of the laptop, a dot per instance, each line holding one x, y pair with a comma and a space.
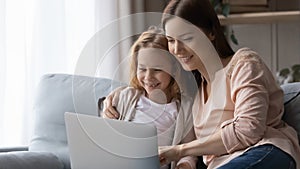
98, 143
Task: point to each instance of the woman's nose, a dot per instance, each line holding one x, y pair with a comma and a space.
177, 47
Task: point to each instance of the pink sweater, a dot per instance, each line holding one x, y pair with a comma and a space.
247, 105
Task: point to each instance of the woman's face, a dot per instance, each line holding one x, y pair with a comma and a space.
154, 69
188, 43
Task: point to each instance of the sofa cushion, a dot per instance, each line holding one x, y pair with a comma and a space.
292, 105
29, 160
60, 93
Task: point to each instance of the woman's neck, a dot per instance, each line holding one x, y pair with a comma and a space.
208, 77
204, 74
226, 60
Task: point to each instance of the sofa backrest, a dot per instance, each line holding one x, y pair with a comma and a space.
292, 105
60, 93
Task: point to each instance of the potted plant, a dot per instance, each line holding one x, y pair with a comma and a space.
223, 8
289, 75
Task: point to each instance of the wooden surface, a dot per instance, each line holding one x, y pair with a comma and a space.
260, 17
246, 2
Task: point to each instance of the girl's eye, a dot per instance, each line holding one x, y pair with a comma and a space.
142, 69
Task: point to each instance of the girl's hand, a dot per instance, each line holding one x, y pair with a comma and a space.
168, 154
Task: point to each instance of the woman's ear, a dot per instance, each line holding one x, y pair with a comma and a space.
211, 36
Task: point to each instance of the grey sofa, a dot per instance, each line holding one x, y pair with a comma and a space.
56, 94
59, 93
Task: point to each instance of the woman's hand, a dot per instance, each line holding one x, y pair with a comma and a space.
184, 165
109, 110
169, 153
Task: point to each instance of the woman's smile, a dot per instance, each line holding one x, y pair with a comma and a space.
185, 59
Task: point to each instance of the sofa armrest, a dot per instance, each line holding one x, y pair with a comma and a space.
10, 149
291, 105
29, 160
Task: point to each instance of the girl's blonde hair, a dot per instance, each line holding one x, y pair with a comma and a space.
152, 38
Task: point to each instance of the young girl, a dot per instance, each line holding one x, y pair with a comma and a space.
154, 96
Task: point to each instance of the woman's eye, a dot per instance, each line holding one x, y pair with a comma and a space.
187, 39
157, 70
170, 40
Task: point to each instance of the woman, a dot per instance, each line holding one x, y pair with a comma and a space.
153, 95
237, 111
238, 108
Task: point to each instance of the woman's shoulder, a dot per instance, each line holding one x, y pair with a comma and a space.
242, 56
246, 55
129, 93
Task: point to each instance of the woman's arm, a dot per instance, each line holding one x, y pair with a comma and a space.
214, 145
188, 162
249, 93
109, 110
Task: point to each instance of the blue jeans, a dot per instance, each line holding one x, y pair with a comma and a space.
262, 157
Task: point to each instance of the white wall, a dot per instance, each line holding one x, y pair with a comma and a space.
277, 43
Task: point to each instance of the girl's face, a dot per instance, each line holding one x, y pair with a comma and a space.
154, 69
188, 43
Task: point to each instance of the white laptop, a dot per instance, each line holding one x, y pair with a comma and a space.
97, 143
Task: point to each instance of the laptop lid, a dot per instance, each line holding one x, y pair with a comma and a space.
97, 143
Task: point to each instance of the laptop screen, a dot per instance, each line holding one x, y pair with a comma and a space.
95, 142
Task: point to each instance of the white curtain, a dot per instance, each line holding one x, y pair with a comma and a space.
54, 36
39, 37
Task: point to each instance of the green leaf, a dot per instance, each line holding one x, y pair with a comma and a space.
216, 5
226, 9
284, 72
296, 77
296, 67
217, 8
215, 2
